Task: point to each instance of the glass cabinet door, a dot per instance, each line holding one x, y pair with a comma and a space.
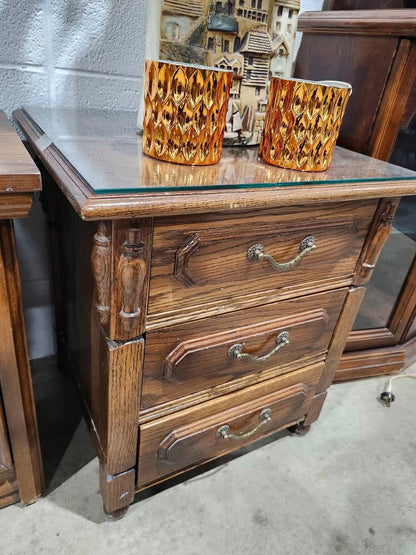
391, 271
399, 253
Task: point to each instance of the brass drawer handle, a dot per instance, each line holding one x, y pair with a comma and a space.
224, 432
256, 252
236, 350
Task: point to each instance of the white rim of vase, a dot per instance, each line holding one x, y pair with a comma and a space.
325, 83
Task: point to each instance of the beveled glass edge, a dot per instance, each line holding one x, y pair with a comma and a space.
220, 187
239, 186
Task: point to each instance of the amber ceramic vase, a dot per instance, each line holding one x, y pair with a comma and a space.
302, 123
185, 112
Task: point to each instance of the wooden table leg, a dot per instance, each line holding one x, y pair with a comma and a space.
15, 377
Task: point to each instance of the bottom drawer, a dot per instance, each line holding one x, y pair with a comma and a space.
212, 429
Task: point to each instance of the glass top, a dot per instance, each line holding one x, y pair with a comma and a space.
105, 149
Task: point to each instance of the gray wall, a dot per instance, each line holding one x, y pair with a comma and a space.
74, 53
71, 53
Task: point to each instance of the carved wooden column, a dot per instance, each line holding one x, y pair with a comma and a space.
130, 278
101, 267
379, 233
120, 265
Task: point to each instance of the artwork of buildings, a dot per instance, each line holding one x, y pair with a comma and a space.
252, 38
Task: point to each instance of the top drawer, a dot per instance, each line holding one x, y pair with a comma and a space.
208, 264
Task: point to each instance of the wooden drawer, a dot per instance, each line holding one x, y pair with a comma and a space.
200, 263
195, 358
194, 435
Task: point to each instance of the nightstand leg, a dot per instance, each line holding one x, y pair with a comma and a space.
115, 383
314, 411
299, 429
117, 492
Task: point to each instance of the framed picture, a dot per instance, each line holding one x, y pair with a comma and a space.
252, 38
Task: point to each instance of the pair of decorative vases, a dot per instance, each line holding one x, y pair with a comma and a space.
185, 115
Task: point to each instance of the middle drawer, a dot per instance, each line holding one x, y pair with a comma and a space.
215, 355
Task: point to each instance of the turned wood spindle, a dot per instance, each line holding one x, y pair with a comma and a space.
100, 263
131, 275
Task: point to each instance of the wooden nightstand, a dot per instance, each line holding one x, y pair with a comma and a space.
204, 308
21, 476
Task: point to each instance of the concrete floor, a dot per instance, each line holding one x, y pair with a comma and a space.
348, 487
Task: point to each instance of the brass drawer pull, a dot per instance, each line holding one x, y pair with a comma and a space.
236, 350
224, 432
256, 252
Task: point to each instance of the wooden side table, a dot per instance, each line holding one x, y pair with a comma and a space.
21, 476
202, 308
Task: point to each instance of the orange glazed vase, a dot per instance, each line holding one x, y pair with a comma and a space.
302, 123
185, 109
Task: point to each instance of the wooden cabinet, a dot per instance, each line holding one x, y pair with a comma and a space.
21, 476
203, 308
374, 50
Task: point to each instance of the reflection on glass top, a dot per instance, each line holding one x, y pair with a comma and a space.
106, 151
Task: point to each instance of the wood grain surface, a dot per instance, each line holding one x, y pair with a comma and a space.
9, 489
410, 347
15, 205
131, 252
189, 443
15, 377
402, 322
389, 360
315, 408
288, 395
21, 475
203, 347
398, 103
401, 23
101, 269
117, 492
120, 261
223, 277
377, 237
372, 338
346, 319
116, 383
18, 172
